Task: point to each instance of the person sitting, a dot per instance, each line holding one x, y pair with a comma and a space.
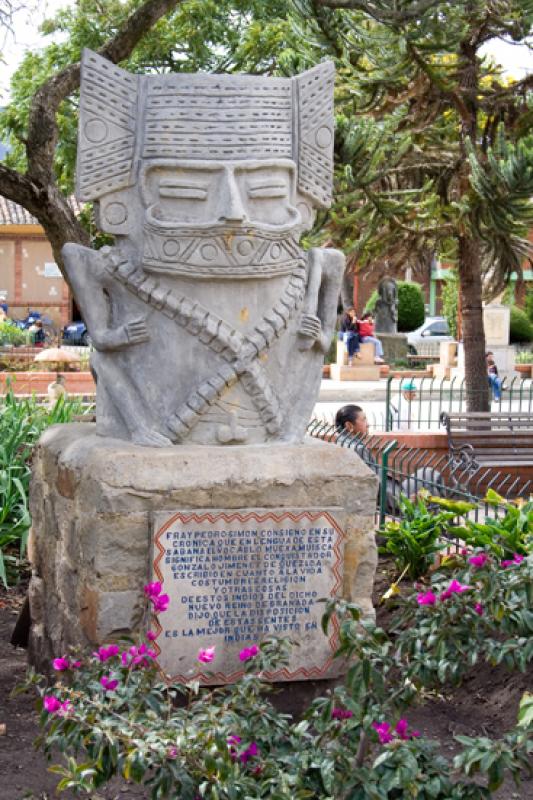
37, 333
366, 334
350, 334
495, 381
352, 420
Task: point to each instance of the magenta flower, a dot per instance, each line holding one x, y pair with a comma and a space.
454, 588
248, 653
103, 653
233, 741
61, 664
206, 655
479, 560
426, 599
516, 559
138, 656
478, 608
402, 731
108, 684
341, 713
51, 704
172, 753
251, 751
160, 603
383, 731
75, 664
151, 636
152, 590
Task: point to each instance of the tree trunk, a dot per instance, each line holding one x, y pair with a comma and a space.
477, 389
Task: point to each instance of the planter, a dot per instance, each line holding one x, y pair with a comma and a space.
326, 370
524, 370
24, 383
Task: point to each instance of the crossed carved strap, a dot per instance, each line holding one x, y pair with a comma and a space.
241, 352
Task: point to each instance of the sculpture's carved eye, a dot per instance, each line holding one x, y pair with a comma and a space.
183, 190
267, 190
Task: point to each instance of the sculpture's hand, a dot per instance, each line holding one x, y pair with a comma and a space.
136, 331
310, 331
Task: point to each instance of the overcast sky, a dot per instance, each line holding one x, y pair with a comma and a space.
517, 61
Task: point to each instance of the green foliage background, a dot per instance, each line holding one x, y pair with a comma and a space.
411, 308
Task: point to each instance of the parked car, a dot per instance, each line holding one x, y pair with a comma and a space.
425, 340
76, 333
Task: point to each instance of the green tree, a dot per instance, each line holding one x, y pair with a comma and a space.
434, 148
40, 122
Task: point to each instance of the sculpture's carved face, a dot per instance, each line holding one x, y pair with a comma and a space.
213, 194
220, 218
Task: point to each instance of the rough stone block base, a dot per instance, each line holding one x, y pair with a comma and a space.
94, 502
394, 346
356, 373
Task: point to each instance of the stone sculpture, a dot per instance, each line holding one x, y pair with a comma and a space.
386, 310
208, 320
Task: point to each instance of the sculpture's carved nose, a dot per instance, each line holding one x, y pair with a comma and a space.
231, 207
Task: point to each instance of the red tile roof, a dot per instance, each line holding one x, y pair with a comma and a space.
13, 214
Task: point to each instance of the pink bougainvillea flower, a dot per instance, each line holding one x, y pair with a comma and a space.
172, 752
401, 729
103, 653
234, 739
248, 653
206, 655
454, 588
75, 664
479, 560
153, 590
383, 731
51, 704
426, 599
516, 559
108, 684
61, 664
478, 608
160, 603
463, 551
151, 636
341, 713
251, 751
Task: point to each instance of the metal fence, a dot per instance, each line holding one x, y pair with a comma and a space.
404, 470
420, 409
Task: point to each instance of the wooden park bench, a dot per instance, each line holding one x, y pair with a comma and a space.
487, 439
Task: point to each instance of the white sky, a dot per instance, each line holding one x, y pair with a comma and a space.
517, 61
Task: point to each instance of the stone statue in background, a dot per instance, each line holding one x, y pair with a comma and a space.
209, 322
386, 309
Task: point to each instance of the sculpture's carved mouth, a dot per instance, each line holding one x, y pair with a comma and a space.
157, 219
224, 252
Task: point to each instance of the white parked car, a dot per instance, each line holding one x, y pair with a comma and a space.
425, 340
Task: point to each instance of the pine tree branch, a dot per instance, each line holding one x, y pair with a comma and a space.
42, 127
380, 11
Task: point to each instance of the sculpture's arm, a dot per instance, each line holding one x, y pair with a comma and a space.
89, 282
326, 270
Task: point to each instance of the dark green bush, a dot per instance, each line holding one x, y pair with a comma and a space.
521, 326
411, 311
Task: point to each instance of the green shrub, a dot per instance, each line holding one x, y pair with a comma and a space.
528, 305
10, 334
21, 424
411, 310
521, 326
109, 714
450, 301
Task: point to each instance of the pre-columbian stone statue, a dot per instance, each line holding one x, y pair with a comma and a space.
209, 322
386, 310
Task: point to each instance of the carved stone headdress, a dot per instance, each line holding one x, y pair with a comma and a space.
204, 117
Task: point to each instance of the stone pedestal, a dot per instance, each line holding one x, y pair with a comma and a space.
363, 369
394, 346
296, 520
